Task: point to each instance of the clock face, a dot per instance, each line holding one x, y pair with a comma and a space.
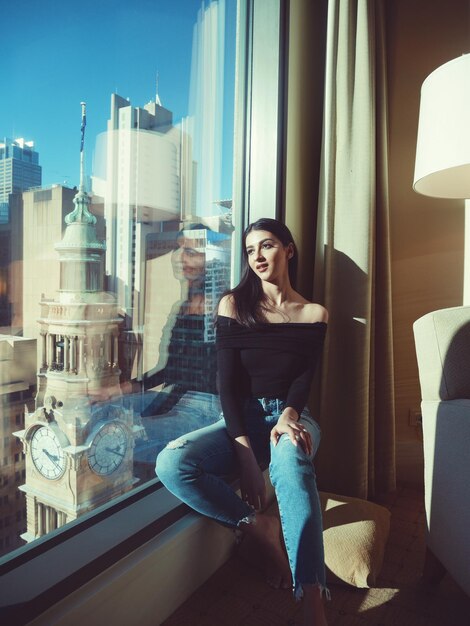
47, 453
108, 449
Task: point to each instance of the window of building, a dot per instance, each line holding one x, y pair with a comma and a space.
125, 341
151, 176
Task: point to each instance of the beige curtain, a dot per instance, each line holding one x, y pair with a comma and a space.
352, 264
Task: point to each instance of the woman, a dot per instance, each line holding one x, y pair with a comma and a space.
269, 339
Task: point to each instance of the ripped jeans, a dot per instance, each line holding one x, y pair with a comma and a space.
195, 468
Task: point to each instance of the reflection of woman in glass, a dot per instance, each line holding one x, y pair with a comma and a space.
269, 339
186, 370
188, 260
189, 263
189, 361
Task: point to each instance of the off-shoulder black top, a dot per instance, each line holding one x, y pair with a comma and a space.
272, 360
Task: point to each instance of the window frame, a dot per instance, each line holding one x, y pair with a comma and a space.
37, 575
260, 114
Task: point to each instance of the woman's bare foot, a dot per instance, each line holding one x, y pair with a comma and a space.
314, 611
266, 533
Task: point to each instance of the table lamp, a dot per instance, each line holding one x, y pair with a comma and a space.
442, 167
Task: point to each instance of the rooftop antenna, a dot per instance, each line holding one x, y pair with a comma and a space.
157, 97
82, 145
81, 213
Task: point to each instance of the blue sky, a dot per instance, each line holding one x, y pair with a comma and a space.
57, 53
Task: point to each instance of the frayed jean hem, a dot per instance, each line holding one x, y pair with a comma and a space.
248, 519
298, 590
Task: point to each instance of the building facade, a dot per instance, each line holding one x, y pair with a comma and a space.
19, 170
78, 441
17, 385
44, 212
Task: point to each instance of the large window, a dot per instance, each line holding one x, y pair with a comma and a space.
112, 259
116, 246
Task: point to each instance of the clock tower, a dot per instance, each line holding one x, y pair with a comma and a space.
79, 440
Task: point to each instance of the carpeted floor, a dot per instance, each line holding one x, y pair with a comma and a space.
238, 596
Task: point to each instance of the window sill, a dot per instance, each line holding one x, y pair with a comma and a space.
131, 562
38, 575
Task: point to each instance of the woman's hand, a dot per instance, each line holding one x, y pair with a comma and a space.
289, 424
252, 485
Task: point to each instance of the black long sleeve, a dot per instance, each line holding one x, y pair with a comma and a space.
271, 360
231, 389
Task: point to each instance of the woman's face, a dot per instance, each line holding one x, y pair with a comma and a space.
267, 255
188, 263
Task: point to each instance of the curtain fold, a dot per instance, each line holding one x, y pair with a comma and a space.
352, 259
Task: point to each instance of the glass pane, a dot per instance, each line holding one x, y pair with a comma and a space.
115, 245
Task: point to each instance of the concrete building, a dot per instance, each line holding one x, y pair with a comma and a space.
44, 211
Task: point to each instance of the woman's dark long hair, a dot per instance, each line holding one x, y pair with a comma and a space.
248, 296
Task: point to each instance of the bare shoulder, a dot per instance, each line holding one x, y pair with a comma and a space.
313, 313
227, 306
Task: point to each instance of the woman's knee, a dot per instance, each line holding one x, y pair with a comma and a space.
287, 450
286, 457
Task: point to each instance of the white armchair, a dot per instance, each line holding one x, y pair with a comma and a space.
442, 341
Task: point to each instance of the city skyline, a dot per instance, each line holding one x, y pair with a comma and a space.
85, 55
76, 327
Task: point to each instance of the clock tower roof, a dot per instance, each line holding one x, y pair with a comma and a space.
81, 253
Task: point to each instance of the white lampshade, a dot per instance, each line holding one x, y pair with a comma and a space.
442, 167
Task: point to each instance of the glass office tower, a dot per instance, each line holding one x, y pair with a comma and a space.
19, 170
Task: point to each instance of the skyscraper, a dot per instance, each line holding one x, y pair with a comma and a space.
137, 173
205, 123
19, 170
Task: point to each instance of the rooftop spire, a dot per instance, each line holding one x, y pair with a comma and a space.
81, 200
80, 251
82, 145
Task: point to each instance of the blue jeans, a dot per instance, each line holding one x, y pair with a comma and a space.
196, 466
191, 410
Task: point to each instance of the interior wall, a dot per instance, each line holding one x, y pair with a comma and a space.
427, 234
